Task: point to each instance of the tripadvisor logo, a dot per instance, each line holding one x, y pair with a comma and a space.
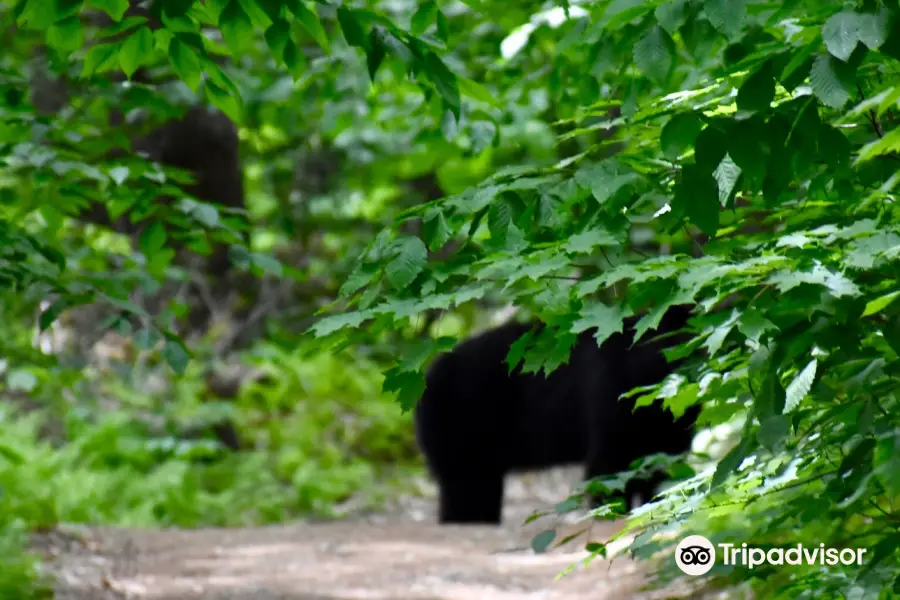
696, 555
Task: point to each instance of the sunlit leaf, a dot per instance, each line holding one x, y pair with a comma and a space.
800, 386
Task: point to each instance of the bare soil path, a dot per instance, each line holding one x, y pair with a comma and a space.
401, 555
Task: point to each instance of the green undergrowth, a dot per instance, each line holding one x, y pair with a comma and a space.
322, 438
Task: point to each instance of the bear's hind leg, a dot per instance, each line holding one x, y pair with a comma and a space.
476, 499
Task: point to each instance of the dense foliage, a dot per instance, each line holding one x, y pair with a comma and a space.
406, 165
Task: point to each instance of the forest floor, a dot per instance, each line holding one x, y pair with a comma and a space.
400, 554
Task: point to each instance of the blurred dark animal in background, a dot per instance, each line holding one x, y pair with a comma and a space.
476, 422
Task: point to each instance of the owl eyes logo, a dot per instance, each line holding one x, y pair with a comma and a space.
695, 555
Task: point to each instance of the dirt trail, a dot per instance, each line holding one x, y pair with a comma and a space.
402, 555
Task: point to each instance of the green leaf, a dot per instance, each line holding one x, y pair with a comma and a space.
215, 75
517, 350
884, 550
423, 18
596, 549
773, 430
622, 12
272, 9
443, 27
333, 323
176, 355
114, 8
886, 459
586, 241
203, 213
66, 35
174, 9
551, 349
435, 229
483, 134
874, 28
235, 25
607, 320
680, 133
885, 146
262, 13
727, 16
268, 263
800, 386
535, 516
731, 461
420, 352
697, 195
375, 53
310, 22
605, 179
747, 148
444, 82
408, 262
827, 82
796, 70
41, 14
476, 91
671, 15
838, 145
295, 61
699, 38
100, 58
136, 50
761, 366
278, 36
836, 283
541, 542
119, 175
146, 339
351, 28
714, 342
879, 304
710, 148
726, 175
758, 90
409, 385
49, 315
185, 63
224, 101
499, 220
566, 506
11, 455
654, 54
549, 213
358, 279
841, 34
160, 261
152, 239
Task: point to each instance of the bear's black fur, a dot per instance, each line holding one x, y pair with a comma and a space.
475, 422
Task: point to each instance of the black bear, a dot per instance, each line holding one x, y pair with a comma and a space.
476, 422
